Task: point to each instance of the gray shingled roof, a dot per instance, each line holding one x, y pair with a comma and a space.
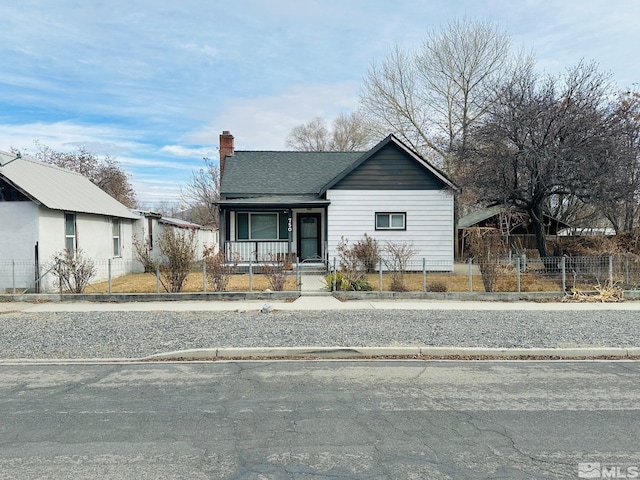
258, 173
60, 189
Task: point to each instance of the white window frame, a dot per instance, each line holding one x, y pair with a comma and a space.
390, 216
279, 232
116, 237
70, 220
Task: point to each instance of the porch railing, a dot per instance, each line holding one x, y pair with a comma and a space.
256, 250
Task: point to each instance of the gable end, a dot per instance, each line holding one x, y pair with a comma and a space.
390, 168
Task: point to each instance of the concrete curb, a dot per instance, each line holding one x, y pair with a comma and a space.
453, 353
365, 352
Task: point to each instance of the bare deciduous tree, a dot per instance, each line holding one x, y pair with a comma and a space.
617, 193
350, 132
201, 193
432, 97
547, 138
105, 172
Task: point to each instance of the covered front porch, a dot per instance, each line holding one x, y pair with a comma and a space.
257, 230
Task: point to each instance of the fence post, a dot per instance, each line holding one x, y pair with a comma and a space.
335, 275
204, 276
380, 275
109, 276
610, 269
563, 267
251, 274
518, 273
13, 276
424, 274
470, 274
626, 270
298, 275
157, 278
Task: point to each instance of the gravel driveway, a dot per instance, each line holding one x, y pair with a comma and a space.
140, 334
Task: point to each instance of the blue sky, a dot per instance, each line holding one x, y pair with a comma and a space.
154, 82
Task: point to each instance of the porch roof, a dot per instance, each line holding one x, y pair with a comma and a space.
273, 201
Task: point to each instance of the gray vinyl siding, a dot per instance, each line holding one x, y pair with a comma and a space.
390, 169
429, 221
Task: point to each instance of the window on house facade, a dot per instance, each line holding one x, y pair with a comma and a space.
261, 226
115, 233
391, 221
70, 232
150, 225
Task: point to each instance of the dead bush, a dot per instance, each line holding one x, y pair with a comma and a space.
178, 250
486, 248
396, 259
219, 271
367, 251
275, 271
72, 270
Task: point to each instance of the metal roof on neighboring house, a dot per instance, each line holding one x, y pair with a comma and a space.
178, 222
59, 189
479, 216
256, 173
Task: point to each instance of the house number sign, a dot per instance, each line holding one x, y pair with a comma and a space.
289, 224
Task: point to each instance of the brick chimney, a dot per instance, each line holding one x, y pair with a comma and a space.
226, 148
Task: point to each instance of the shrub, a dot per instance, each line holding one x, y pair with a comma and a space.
437, 287
275, 271
367, 252
486, 247
179, 253
218, 269
351, 267
343, 284
72, 271
396, 260
143, 251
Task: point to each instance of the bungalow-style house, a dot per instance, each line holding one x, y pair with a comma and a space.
513, 226
277, 203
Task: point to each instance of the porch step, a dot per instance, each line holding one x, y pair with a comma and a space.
313, 271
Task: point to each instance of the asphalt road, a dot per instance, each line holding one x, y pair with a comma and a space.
319, 420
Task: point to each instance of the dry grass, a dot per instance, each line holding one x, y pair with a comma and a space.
460, 283
146, 283
604, 293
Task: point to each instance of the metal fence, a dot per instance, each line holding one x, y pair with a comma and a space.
516, 274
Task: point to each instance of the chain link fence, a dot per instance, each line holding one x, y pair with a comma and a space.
515, 274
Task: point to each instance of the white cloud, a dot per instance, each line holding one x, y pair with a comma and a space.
183, 151
263, 123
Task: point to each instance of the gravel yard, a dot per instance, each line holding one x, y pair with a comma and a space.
139, 334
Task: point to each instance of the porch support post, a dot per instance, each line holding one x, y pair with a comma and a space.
222, 231
289, 213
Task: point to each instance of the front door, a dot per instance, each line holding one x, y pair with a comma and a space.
308, 235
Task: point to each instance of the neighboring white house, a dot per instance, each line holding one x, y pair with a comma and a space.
45, 210
304, 203
152, 225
